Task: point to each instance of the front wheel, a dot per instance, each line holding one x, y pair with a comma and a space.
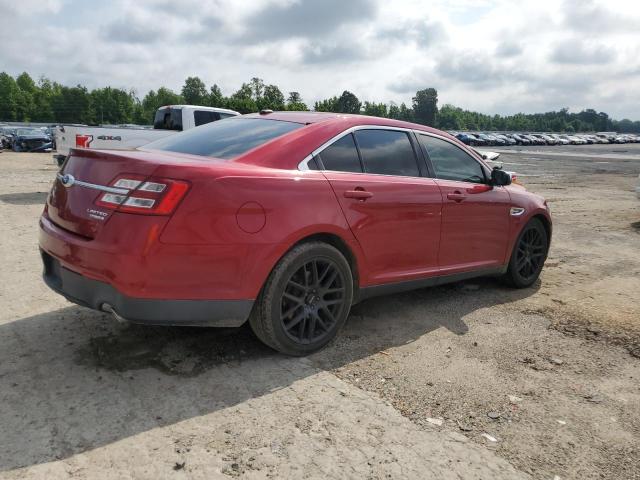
305, 300
528, 256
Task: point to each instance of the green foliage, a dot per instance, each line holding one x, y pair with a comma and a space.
23, 99
272, 99
294, 102
425, 106
348, 103
375, 109
194, 91
216, 99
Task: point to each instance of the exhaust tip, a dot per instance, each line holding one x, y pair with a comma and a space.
105, 307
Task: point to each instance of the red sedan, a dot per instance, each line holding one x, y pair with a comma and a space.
285, 220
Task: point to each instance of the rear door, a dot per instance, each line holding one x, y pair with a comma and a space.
393, 211
475, 215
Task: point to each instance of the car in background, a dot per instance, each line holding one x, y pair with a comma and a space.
168, 120
6, 136
506, 139
536, 140
495, 140
520, 139
31, 140
560, 140
488, 140
211, 226
470, 139
549, 140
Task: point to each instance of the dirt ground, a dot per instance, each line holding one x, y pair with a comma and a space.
469, 380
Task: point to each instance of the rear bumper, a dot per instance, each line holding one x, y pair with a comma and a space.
104, 297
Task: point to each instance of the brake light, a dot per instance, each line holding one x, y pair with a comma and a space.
151, 197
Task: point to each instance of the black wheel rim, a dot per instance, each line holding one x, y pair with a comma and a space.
312, 301
531, 253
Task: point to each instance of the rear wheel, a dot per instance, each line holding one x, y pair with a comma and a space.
528, 256
305, 301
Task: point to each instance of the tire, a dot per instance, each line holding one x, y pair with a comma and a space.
528, 256
301, 308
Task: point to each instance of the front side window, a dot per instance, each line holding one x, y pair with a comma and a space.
226, 138
341, 156
451, 162
387, 152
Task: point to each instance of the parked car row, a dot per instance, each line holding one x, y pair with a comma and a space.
26, 139
481, 139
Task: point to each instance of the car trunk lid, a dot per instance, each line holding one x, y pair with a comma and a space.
76, 202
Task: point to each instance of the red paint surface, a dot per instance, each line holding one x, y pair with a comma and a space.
240, 216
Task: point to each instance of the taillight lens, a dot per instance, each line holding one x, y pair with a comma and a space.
151, 197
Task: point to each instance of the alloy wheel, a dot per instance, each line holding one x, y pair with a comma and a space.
530, 254
312, 301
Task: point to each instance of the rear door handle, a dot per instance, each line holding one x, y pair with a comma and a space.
358, 194
456, 196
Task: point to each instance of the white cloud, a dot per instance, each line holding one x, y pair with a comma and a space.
496, 56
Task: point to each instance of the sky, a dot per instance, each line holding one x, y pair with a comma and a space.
492, 56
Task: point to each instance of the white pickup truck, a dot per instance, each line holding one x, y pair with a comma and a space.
168, 120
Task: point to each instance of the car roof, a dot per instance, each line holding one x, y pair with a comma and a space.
349, 119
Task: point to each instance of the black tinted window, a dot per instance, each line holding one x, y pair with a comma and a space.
168, 119
451, 162
201, 117
225, 138
341, 156
387, 152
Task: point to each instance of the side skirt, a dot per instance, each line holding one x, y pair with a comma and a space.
390, 288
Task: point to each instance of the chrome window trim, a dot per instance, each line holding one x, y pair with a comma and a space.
304, 164
484, 167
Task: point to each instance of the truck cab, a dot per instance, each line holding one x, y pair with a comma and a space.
185, 117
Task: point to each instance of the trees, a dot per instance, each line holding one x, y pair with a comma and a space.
23, 99
72, 105
294, 102
8, 97
348, 103
425, 106
216, 99
272, 99
194, 91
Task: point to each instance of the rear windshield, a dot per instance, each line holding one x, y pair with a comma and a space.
225, 138
168, 119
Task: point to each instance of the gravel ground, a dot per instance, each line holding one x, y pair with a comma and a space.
470, 380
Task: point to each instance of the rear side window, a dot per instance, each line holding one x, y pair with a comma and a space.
451, 162
225, 139
387, 152
201, 117
168, 119
341, 156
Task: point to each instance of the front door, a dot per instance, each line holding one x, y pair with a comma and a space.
475, 215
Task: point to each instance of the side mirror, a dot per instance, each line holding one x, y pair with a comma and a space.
491, 156
500, 177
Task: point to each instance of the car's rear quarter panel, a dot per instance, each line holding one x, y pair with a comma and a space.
221, 217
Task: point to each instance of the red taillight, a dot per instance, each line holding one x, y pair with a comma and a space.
151, 196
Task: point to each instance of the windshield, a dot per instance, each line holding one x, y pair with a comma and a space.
225, 138
29, 131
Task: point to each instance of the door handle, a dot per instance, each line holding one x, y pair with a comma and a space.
456, 196
359, 194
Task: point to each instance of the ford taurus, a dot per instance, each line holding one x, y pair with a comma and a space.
283, 219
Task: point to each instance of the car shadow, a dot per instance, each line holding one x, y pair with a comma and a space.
24, 198
72, 380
